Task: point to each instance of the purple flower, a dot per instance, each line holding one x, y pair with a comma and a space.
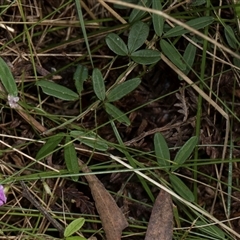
3, 198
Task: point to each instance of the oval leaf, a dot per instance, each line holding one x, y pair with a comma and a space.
73, 227
189, 56
7, 79
117, 114
70, 157
158, 21
90, 139
230, 36
137, 14
116, 44
49, 146
210, 230
137, 36
236, 62
197, 3
181, 188
56, 90
146, 56
184, 152
237, 10
98, 84
196, 23
161, 151
123, 89
75, 238
94, 144
172, 53
80, 75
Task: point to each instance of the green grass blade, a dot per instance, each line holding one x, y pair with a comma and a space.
80, 16
132, 161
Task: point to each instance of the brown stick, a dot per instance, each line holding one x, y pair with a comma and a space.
26, 193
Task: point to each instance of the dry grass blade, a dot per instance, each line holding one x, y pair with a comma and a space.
113, 220
174, 20
160, 225
32, 121
45, 213
27, 156
200, 210
205, 96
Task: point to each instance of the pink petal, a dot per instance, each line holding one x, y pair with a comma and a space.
3, 198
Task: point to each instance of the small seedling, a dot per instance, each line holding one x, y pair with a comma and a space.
163, 158
137, 36
72, 228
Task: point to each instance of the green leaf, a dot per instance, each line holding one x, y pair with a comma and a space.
230, 37
181, 188
137, 14
196, 23
158, 21
7, 79
90, 139
81, 18
197, 3
49, 146
98, 84
236, 62
71, 160
55, 90
184, 152
189, 56
172, 53
116, 114
123, 89
73, 227
210, 230
161, 151
146, 56
237, 10
137, 36
76, 238
116, 44
80, 75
